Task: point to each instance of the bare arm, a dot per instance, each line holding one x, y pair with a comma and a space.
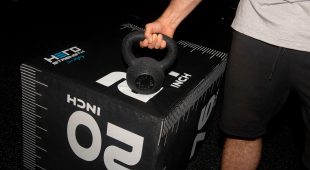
167, 23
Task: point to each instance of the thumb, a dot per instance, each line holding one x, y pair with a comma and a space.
149, 30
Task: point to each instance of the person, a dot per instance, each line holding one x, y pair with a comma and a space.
269, 56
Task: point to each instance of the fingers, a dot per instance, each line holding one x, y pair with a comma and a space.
155, 41
158, 39
153, 36
144, 43
149, 30
163, 44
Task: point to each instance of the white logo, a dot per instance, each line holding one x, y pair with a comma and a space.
111, 152
181, 79
83, 105
70, 55
204, 116
114, 77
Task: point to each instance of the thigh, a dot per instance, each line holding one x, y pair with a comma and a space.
300, 75
256, 86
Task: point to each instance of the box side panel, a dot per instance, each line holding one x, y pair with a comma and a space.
185, 127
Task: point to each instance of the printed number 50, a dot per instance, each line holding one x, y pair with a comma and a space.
111, 153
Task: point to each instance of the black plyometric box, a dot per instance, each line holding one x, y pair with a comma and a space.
79, 113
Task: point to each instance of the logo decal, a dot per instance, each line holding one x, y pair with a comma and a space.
69, 55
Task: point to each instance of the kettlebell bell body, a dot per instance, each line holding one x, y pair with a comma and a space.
146, 75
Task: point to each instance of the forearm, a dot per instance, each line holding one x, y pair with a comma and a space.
177, 11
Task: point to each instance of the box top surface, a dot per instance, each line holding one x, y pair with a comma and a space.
99, 65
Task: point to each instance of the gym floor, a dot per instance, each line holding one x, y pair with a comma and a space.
32, 26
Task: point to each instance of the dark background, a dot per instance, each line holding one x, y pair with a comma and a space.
32, 26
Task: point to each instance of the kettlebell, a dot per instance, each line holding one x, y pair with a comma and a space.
145, 75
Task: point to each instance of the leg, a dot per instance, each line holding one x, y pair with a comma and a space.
239, 154
300, 71
306, 155
256, 87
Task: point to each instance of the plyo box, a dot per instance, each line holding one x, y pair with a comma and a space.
79, 113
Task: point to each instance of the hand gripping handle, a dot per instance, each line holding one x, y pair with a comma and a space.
137, 36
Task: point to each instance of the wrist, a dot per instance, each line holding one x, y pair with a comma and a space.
169, 20
169, 25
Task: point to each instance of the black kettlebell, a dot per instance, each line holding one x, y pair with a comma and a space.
146, 75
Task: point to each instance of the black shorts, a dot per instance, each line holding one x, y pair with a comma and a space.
259, 78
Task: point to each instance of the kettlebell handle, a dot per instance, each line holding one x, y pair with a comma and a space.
137, 36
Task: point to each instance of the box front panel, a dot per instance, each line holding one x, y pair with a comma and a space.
69, 126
